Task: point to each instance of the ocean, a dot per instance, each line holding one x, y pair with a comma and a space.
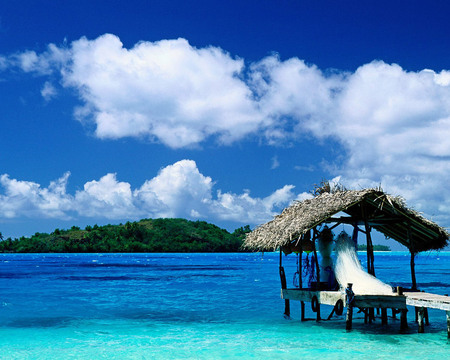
196, 306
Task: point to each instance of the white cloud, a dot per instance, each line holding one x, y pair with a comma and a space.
393, 124
166, 90
178, 190
48, 91
26, 198
275, 163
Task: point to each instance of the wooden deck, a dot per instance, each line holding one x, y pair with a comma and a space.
417, 299
427, 300
361, 301
420, 300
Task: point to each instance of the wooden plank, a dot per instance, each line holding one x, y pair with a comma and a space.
331, 297
324, 297
427, 300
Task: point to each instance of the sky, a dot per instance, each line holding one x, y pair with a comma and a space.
222, 111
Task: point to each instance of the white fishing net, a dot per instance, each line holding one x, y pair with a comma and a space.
348, 269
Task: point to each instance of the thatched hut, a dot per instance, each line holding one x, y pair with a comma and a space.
299, 226
369, 208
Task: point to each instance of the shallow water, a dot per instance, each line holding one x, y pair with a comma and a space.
201, 306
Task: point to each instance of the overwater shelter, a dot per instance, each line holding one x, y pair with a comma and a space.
298, 227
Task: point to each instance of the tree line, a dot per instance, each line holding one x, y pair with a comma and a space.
147, 235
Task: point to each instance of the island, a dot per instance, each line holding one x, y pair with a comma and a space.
147, 235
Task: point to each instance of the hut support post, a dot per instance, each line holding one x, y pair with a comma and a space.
384, 317
300, 279
448, 324
370, 263
420, 320
355, 236
412, 263
370, 256
317, 259
349, 303
287, 306
413, 272
403, 320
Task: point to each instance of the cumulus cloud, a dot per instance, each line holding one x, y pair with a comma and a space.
393, 124
27, 198
165, 90
178, 190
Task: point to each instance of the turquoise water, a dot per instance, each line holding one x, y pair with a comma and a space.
194, 306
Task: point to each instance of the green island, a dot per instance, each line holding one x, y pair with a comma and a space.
147, 235
375, 248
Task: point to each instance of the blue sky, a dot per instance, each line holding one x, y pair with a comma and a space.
220, 111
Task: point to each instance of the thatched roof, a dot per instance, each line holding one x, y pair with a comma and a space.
387, 214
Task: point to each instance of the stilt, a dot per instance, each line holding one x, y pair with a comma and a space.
287, 306
412, 263
300, 279
349, 302
425, 314
371, 315
420, 320
349, 318
403, 320
394, 313
384, 317
448, 324
302, 310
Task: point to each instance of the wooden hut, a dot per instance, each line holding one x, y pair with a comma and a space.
297, 226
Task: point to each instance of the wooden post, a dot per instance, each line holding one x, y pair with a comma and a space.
403, 320
300, 264
315, 236
349, 303
420, 320
355, 236
384, 317
448, 324
427, 320
300, 279
370, 256
412, 263
287, 306
394, 313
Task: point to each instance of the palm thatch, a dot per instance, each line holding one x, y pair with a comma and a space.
387, 214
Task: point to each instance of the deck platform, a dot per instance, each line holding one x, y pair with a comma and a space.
420, 300
427, 300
